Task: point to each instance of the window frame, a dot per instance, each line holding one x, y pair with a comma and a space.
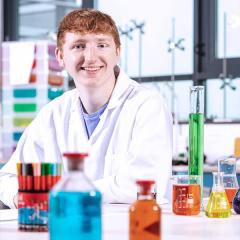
206, 65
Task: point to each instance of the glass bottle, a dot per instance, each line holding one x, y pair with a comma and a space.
145, 214
236, 202
218, 205
75, 204
230, 183
196, 132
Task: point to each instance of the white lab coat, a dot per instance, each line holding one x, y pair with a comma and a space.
133, 140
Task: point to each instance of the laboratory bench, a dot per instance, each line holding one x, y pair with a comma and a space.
183, 169
116, 225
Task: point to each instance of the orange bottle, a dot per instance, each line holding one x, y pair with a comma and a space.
145, 214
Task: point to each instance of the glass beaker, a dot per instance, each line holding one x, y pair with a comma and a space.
227, 165
186, 198
75, 204
218, 205
230, 183
196, 132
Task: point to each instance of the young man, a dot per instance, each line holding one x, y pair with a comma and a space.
128, 127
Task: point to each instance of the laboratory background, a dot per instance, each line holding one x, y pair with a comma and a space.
166, 45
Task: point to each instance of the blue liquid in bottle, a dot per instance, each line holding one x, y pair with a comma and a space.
75, 215
75, 204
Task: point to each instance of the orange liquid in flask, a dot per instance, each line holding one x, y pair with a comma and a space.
230, 194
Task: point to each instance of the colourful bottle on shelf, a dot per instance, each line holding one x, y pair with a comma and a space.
196, 132
25, 93
75, 204
145, 214
218, 205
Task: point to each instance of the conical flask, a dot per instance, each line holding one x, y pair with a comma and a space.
75, 204
218, 205
196, 132
230, 183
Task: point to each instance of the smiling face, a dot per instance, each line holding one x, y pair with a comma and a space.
89, 58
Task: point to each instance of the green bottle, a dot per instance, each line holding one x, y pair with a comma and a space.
196, 132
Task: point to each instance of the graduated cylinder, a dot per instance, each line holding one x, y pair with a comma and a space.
196, 131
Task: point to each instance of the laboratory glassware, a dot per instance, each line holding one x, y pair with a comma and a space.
145, 214
196, 132
186, 198
236, 202
218, 205
230, 183
75, 204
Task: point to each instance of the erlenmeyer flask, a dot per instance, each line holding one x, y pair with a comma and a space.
218, 205
230, 183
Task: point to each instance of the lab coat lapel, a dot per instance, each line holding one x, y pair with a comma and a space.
78, 139
116, 99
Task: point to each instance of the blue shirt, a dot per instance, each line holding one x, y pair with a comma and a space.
92, 120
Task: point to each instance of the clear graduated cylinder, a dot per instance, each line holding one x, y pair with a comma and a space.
196, 132
145, 214
75, 204
218, 205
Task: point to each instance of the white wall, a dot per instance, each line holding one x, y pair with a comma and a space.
218, 139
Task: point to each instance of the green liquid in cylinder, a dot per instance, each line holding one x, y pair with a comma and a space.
195, 165
196, 122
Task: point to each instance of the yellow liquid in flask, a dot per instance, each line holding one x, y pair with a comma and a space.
218, 206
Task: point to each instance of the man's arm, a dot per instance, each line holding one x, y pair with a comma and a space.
8, 189
27, 150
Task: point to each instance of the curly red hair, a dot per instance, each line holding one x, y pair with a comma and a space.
87, 21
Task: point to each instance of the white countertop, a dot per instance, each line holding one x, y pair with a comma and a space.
115, 226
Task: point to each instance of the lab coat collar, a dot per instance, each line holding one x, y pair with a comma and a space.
77, 117
123, 82
123, 87
75, 100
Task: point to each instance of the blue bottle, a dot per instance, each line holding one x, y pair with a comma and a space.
75, 204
